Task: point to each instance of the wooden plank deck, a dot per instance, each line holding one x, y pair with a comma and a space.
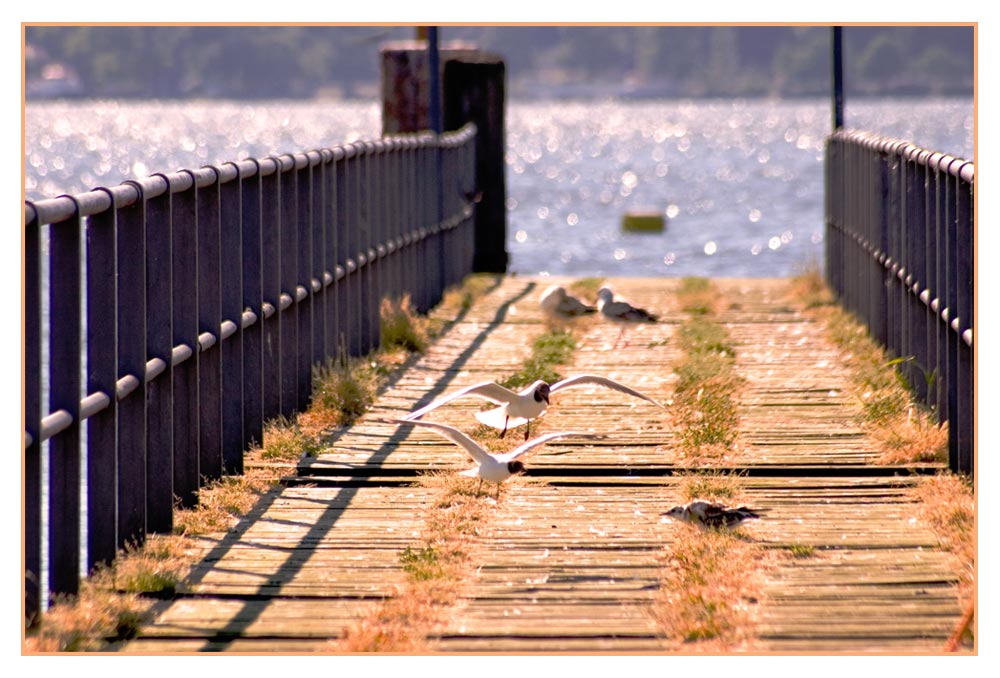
574, 557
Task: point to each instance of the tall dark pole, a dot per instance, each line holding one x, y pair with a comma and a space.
434, 66
437, 126
838, 78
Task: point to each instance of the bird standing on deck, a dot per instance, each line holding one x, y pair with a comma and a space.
561, 307
489, 467
707, 514
621, 313
520, 407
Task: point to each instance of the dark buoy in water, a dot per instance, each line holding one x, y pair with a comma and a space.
644, 221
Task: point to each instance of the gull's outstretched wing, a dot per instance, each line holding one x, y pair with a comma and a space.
454, 435
486, 390
583, 379
535, 442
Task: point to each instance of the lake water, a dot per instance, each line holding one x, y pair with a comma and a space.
740, 182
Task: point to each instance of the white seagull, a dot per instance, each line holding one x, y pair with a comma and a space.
707, 514
621, 312
493, 468
520, 407
562, 307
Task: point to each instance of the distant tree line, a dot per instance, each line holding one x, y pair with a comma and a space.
254, 62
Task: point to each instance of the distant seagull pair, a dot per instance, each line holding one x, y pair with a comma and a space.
562, 307
706, 514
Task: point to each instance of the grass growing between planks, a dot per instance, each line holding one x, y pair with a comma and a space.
947, 503
712, 579
436, 568
115, 600
704, 411
905, 431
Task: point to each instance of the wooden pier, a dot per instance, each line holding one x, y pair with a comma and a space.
573, 559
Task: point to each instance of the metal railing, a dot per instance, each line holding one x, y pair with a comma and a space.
172, 316
899, 255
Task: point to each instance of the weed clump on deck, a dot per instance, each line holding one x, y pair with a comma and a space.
698, 296
709, 589
550, 350
704, 410
586, 287
343, 389
402, 327
435, 567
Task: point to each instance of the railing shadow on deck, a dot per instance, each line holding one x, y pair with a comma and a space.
175, 314
900, 225
320, 528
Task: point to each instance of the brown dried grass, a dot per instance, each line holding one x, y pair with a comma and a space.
710, 589
437, 569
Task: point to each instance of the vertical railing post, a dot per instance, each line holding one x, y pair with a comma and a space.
133, 333
102, 377
288, 280
271, 317
209, 319
346, 303
64, 395
320, 290
302, 290
159, 345
185, 375
32, 498
331, 252
231, 309
253, 293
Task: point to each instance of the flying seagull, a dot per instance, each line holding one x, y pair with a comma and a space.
562, 307
490, 467
621, 312
520, 407
706, 514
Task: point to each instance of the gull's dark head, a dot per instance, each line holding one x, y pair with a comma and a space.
516, 466
542, 392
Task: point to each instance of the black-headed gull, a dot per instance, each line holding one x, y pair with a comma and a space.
490, 467
520, 407
621, 312
707, 514
561, 307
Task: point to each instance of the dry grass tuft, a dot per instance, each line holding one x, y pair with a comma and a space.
711, 486
698, 296
402, 327
223, 502
809, 287
947, 503
457, 518
586, 288
910, 439
710, 589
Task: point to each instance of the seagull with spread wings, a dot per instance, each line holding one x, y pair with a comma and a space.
490, 467
520, 407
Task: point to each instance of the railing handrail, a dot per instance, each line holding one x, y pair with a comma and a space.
102, 198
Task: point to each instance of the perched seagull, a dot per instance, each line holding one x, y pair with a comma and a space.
707, 514
621, 312
494, 468
520, 407
562, 307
